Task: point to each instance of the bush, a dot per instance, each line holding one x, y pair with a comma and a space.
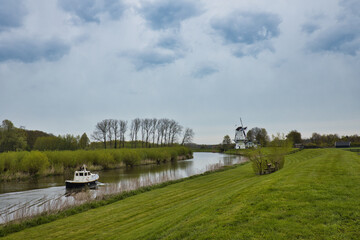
106, 159
131, 158
34, 162
267, 163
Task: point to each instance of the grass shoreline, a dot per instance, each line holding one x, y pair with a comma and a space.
16, 226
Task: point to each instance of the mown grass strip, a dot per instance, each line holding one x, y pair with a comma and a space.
315, 196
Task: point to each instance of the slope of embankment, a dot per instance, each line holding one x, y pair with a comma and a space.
315, 196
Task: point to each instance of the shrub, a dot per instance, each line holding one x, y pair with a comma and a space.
131, 158
34, 162
107, 159
267, 163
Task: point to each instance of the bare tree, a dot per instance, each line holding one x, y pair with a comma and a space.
132, 133
147, 123
166, 125
188, 136
122, 130
145, 128
135, 126
100, 132
114, 130
175, 131
154, 123
110, 132
159, 128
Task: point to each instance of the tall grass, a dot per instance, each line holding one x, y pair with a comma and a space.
14, 164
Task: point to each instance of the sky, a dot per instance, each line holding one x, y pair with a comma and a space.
280, 65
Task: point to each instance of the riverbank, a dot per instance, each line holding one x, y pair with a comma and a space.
103, 197
316, 195
25, 165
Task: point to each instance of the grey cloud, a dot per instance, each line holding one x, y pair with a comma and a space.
89, 10
247, 27
150, 58
342, 37
11, 14
31, 50
309, 28
172, 42
253, 50
249, 32
204, 71
169, 14
167, 50
351, 6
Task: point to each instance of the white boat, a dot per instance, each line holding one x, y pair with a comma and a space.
82, 178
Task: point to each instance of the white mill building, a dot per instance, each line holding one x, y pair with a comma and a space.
240, 138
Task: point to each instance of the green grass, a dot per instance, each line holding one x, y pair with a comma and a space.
205, 150
315, 196
264, 151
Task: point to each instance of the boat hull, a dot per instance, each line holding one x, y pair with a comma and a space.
71, 184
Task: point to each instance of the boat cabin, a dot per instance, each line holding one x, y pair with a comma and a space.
82, 173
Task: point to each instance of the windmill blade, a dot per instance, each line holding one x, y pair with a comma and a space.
241, 122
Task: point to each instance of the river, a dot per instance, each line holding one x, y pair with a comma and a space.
33, 196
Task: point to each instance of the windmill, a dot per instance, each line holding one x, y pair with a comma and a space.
240, 136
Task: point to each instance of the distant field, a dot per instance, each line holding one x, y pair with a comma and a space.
315, 196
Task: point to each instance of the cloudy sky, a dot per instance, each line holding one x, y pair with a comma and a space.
66, 65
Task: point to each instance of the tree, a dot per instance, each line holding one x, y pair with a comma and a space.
113, 130
84, 141
258, 135
147, 124
294, 136
226, 143
134, 129
122, 130
32, 135
47, 143
11, 138
175, 131
188, 136
226, 140
101, 130
316, 138
154, 123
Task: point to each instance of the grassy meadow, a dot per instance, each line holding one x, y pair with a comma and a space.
315, 196
23, 164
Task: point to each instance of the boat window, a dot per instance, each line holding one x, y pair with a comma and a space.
81, 174
76, 174
86, 174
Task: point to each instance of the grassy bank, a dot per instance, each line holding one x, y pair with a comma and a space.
264, 151
15, 165
315, 196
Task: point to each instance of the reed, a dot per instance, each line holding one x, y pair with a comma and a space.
57, 162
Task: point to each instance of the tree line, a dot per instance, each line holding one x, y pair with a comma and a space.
20, 139
260, 136
147, 131
112, 133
